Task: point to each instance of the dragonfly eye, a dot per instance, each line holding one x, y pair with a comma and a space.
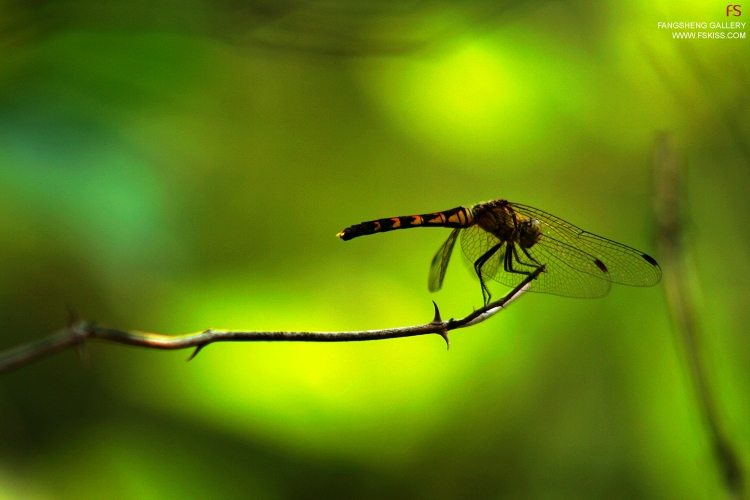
530, 232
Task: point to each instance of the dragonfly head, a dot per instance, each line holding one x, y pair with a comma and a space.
529, 232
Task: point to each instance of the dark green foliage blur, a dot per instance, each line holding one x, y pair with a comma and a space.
177, 166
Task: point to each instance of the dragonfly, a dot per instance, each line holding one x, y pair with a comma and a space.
505, 242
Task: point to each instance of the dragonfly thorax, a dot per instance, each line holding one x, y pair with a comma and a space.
498, 218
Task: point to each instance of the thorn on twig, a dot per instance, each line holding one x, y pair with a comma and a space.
84, 355
195, 352
444, 334
80, 330
437, 319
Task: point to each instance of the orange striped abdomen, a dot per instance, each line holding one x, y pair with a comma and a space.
455, 217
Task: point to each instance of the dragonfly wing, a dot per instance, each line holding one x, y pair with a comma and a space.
625, 265
475, 242
440, 262
570, 272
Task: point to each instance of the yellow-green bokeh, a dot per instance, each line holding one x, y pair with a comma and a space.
163, 170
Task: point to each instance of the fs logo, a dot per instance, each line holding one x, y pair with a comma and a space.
736, 10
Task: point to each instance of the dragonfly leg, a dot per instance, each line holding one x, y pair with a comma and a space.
510, 254
532, 259
481, 261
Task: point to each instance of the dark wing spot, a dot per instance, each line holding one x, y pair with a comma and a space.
649, 259
601, 265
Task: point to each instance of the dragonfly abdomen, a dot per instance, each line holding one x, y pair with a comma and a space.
455, 217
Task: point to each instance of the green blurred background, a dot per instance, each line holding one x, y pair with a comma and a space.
175, 166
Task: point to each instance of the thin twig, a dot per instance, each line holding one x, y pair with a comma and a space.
79, 332
674, 250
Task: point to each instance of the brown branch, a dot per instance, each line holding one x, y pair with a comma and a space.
674, 249
79, 332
